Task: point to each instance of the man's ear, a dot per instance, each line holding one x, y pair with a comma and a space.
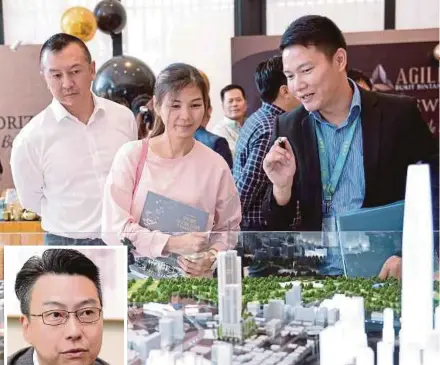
283, 90
340, 57
93, 69
25, 327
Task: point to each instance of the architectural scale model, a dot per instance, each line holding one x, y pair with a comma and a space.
289, 331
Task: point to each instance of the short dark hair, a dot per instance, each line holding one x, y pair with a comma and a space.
59, 41
269, 77
231, 87
358, 75
314, 30
54, 261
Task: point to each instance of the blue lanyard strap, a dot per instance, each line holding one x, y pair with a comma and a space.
329, 183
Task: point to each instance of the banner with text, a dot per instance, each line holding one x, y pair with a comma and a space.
23, 94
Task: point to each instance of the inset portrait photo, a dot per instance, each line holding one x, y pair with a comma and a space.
65, 305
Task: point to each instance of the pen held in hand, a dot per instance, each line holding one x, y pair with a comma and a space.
281, 142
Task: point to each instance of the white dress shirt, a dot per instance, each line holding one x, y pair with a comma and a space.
228, 129
35, 358
59, 165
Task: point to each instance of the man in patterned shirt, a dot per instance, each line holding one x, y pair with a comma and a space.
254, 141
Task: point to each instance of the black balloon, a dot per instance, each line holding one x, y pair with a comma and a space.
125, 80
111, 16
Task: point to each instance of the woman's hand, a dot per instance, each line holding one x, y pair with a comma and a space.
188, 243
198, 265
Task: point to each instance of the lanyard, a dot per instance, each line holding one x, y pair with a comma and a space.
329, 183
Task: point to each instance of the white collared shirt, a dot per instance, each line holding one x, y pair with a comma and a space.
35, 358
59, 164
229, 129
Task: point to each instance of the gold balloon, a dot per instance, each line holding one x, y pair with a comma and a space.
80, 22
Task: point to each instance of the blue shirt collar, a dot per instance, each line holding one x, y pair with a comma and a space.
355, 108
272, 108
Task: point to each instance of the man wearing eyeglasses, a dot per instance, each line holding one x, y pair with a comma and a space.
61, 302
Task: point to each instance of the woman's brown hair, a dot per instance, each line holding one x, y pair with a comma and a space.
173, 79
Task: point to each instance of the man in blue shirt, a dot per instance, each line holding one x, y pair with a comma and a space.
253, 144
345, 148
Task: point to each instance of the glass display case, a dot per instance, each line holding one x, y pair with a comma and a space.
275, 294
293, 285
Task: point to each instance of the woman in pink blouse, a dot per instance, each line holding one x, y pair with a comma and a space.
171, 164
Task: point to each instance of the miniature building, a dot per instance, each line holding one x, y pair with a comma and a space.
166, 326
321, 317
293, 296
231, 318
133, 358
274, 310
253, 308
229, 294
143, 343
221, 353
177, 324
273, 327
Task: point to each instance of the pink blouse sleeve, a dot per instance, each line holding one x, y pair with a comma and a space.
118, 220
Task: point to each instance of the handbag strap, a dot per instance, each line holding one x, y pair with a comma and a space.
141, 164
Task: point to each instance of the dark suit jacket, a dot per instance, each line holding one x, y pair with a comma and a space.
214, 142
394, 136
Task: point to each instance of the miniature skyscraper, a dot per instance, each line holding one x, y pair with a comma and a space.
178, 328
293, 296
166, 331
417, 260
229, 293
222, 353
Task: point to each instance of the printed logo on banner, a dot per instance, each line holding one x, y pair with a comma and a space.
11, 123
380, 80
411, 80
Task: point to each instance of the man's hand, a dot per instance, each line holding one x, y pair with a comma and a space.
279, 164
392, 268
280, 167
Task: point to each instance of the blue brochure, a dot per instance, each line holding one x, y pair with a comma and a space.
386, 218
170, 216
369, 236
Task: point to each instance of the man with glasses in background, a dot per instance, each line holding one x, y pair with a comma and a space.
61, 301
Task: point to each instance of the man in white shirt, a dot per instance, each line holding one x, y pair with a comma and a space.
61, 158
234, 107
